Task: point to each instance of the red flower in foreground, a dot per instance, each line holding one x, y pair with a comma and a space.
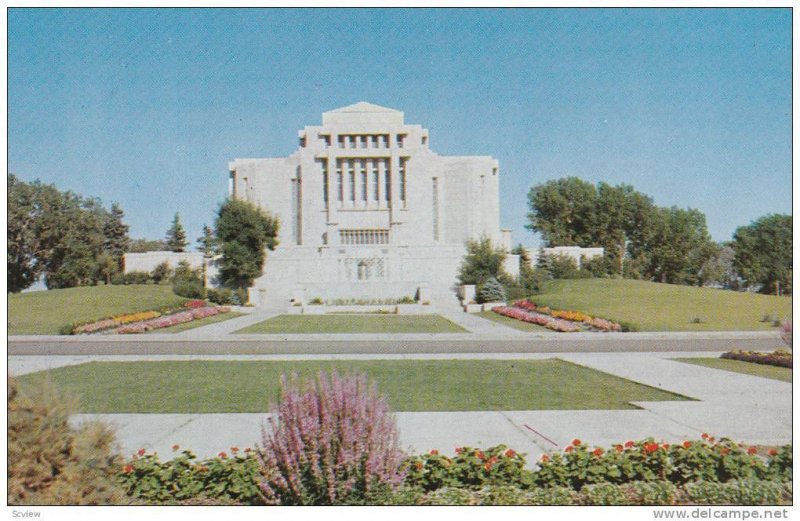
222, 455
687, 444
724, 451
752, 450
598, 452
141, 452
545, 458
175, 447
479, 454
773, 452
576, 442
704, 436
127, 469
234, 449
459, 450
568, 449
434, 452
488, 466
628, 444
510, 453
651, 447
666, 446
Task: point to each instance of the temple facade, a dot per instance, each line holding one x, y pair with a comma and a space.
367, 211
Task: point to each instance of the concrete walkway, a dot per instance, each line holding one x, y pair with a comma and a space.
745, 408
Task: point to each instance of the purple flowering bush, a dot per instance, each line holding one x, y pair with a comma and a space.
333, 441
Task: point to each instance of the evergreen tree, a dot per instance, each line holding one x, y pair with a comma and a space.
482, 262
117, 241
207, 243
176, 236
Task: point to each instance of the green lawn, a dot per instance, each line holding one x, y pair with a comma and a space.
512, 322
45, 312
783, 374
410, 385
198, 323
333, 324
650, 306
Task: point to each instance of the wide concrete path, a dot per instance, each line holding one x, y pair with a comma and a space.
745, 408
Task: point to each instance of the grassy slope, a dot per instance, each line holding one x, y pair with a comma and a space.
410, 385
664, 307
354, 324
44, 312
783, 374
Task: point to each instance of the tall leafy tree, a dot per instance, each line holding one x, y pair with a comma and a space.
562, 212
245, 233
682, 247
763, 253
176, 236
22, 263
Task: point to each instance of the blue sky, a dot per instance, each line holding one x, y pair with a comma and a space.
147, 107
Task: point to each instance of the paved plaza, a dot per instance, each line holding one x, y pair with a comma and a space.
745, 408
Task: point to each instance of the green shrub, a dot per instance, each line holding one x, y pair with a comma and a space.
221, 296
136, 277
182, 480
316, 301
49, 463
406, 300
491, 291
162, 273
239, 297
514, 293
779, 466
187, 282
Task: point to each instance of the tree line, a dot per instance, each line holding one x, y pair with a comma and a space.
70, 240
644, 241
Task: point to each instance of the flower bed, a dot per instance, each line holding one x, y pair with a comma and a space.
643, 472
557, 320
533, 317
172, 320
170, 316
778, 358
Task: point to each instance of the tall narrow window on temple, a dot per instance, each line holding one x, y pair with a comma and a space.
352, 176
400, 140
403, 179
324, 165
364, 182
388, 182
376, 181
339, 181
435, 192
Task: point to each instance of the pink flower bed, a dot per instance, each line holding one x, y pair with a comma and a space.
532, 317
172, 320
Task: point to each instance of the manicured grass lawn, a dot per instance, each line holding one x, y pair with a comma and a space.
410, 385
516, 324
332, 324
45, 312
198, 323
783, 374
665, 307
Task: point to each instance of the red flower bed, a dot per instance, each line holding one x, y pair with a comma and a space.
532, 317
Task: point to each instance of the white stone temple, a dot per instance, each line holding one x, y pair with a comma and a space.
368, 211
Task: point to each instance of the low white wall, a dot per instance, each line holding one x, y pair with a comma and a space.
572, 252
149, 260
